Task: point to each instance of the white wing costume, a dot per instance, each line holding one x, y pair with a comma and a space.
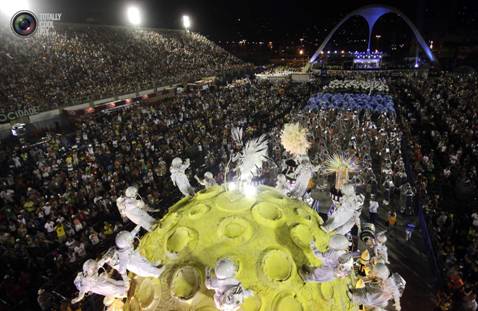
251, 158
347, 213
237, 134
179, 178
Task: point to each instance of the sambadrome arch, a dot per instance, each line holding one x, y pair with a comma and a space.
372, 13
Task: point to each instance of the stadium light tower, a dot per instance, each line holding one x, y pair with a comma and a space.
134, 15
186, 22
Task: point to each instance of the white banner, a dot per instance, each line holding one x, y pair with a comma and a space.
10, 116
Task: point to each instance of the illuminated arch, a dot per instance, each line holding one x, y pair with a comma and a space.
372, 13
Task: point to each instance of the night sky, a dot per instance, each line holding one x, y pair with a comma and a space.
266, 19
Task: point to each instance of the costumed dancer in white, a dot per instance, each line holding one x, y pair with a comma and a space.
131, 206
337, 261
130, 259
281, 184
380, 249
179, 178
89, 281
303, 174
347, 214
294, 139
376, 294
229, 293
208, 180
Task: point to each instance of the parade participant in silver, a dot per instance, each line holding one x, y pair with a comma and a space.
179, 178
337, 261
380, 249
303, 174
377, 294
229, 293
89, 281
347, 214
131, 206
129, 259
281, 184
208, 180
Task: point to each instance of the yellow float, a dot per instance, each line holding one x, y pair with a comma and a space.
267, 236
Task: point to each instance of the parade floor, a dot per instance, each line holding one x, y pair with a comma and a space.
410, 260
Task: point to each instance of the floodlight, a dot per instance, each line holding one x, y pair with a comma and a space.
134, 15
186, 22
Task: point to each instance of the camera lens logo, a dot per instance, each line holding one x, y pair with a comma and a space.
24, 23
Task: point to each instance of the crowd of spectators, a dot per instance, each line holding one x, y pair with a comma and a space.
58, 195
77, 63
439, 115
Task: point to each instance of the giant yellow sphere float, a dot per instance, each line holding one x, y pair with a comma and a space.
266, 235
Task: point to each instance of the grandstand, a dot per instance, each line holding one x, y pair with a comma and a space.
80, 63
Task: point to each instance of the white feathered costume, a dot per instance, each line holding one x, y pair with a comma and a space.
250, 160
347, 214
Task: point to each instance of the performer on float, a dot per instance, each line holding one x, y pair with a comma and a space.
179, 178
208, 180
131, 206
89, 281
364, 267
347, 214
130, 259
380, 249
367, 235
376, 294
302, 174
337, 261
295, 142
281, 184
229, 293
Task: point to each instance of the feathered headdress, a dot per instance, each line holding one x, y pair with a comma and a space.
237, 133
294, 139
252, 156
341, 166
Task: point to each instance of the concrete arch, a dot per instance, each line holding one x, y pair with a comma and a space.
372, 13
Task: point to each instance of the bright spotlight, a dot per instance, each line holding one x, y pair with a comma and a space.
10, 7
134, 15
250, 191
186, 22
